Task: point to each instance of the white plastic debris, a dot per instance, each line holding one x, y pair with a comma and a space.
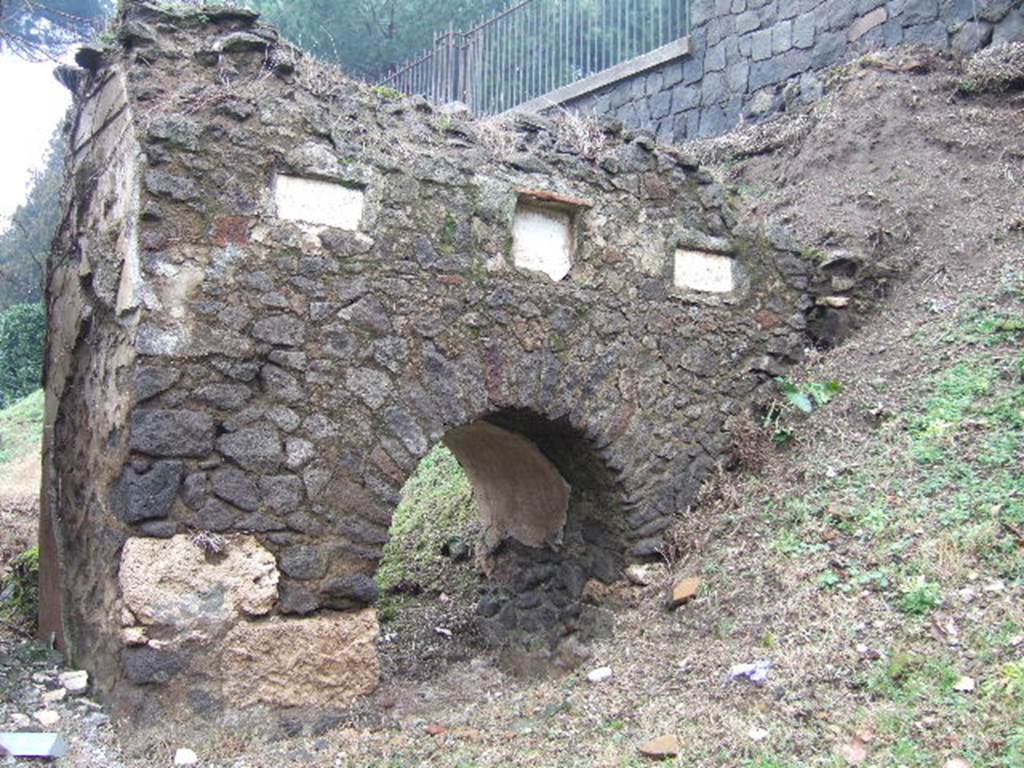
34, 745
600, 674
186, 757
965, 685
757, 734
757, 672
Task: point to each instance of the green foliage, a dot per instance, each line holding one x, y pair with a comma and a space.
767, 761
829, 580
1010, 681
386, 93
921, 597
369, 36
437, 507
25, 245
22, 334
955, 393
21, 427
20, 589
46, 28
807, 397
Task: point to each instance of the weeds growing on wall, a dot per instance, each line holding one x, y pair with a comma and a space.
19, 590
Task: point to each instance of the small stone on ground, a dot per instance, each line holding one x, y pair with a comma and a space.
684, 590
662, 747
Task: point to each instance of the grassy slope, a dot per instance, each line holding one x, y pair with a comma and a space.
20, 435
21, 429
924, 531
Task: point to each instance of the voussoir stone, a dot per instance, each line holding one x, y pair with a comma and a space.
172, 583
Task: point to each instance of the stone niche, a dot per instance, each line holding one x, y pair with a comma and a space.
704, 272
314, 201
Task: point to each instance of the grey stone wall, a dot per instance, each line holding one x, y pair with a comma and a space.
753, 58
236, 395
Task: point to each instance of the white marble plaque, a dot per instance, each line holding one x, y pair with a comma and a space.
702, 271
542, 240
318, 202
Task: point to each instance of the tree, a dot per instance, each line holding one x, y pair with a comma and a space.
25, 245
368, 37
22, 334
44, 29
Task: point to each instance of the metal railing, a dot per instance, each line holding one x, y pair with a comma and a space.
536, 46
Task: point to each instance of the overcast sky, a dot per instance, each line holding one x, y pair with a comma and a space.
33, 105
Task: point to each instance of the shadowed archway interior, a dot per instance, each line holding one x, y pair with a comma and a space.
547, 507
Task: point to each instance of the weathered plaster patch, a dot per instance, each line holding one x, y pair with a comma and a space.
520, 493
708, 272
318, 202
313, 662
174, 583
542, 240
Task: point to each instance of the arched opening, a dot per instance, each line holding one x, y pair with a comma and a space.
496, 535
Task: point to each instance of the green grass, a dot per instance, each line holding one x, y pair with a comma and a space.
934, 505
437, 507
21, 428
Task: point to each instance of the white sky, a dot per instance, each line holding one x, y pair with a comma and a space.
34, 102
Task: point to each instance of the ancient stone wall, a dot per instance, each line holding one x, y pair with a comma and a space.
275, 290
750, 59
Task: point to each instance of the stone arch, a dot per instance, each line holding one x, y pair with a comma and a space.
242, 373
537, 460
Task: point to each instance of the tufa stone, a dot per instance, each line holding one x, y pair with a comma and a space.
172, 583
320, 661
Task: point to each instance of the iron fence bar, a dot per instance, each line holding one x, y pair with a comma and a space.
534, 47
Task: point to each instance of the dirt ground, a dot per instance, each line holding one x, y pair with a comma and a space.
874, 561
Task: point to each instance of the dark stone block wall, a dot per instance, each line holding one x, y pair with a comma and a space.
235, 397
751, 59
